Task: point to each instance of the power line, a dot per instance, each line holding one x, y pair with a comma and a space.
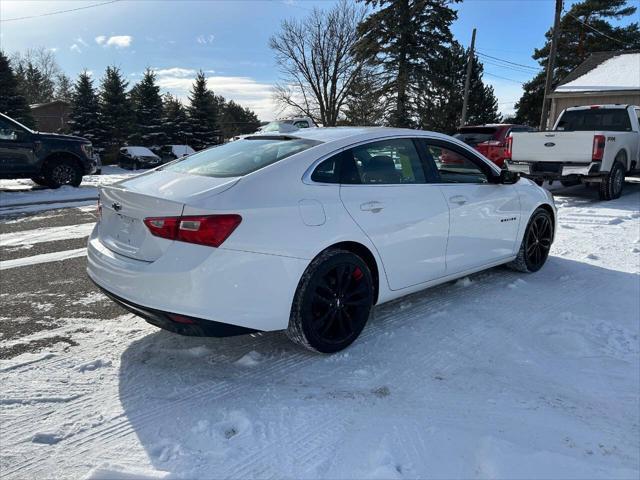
59, 11
503, 78
509, 62
515, 69
596, 30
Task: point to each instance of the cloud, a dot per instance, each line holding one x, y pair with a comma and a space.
176, 72
246, 91
120, 41
75, 48
81, 41
117, 41
205, 39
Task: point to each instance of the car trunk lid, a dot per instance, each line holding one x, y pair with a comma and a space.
126, 204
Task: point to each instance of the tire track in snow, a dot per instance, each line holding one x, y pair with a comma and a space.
48, 234
386, 316
422, 304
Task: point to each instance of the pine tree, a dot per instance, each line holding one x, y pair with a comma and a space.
84, 119
439, 103
34, 85
483, 104
175, 121
237, 120
365, 104
147, 106
115, 112
442, 92
12, 102
578, 39
203, 114
63, 88
402, 38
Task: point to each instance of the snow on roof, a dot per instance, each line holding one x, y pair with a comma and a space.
621, 72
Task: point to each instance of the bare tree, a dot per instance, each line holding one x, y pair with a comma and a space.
315, 56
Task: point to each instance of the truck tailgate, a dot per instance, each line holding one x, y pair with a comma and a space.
569, 147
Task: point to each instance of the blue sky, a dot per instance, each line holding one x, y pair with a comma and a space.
228, 40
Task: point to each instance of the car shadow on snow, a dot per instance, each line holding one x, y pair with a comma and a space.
257, 406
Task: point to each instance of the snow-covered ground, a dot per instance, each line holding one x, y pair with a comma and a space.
24, 196
500, 375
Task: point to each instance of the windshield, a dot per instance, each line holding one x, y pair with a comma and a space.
240, 157
611, 119
140, 152
473, 136
18, 123
282, 126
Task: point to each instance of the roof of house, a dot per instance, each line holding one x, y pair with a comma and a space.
604, 71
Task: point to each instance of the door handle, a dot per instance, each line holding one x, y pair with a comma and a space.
373, 207
458, 199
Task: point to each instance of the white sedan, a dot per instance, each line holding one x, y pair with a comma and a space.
307, 231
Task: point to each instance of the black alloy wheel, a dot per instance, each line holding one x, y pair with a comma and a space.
333, 302
538, 241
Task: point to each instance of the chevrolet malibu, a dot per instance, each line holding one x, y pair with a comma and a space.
307, 231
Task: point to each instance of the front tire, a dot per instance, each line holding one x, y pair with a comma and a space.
536, 243
332, 303
612, 184
62, 172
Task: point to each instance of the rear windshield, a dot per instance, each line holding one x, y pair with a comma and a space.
241, 157
615, 120
140, 151
474, 135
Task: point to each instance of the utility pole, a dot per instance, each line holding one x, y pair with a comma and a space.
551, 65
467, 80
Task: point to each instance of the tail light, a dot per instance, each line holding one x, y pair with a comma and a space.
598, 148
210, 230
508, 152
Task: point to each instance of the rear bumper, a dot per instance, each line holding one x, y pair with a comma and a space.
554, 170
180, 324
241, 289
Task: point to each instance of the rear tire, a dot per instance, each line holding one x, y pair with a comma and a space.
613, 183
536, 243
332, 303
62, 172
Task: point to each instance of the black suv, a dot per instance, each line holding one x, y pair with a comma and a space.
48, 159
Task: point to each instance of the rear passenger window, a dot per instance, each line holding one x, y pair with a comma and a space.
328, 171
386, 162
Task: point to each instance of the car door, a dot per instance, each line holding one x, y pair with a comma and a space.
383, 187
484, 215
16, 150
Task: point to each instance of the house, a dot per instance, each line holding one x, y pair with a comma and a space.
51, 116
604, 77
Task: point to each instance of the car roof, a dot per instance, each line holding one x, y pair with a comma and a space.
331, 134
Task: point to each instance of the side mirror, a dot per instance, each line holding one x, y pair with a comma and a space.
508, 177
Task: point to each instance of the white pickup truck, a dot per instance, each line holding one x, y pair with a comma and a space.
592, 144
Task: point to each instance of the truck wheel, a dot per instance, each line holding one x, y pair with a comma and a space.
612, 184
536, 243
62, 172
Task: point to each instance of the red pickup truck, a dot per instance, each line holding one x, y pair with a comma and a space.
490, 140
